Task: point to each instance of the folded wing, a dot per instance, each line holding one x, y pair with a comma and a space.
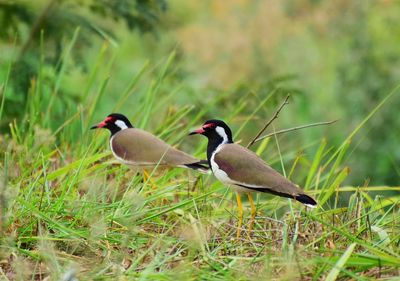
138, 147
248, 170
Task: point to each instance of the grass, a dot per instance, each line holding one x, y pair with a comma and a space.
67, 209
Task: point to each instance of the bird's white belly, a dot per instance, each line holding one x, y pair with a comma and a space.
220, 174
224, 178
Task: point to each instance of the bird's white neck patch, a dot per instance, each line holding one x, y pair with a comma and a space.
221, 131
121, 124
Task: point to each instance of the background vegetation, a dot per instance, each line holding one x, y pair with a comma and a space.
67, 210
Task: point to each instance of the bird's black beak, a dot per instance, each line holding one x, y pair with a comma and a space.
94, 127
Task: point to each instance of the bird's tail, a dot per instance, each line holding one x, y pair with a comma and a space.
201, 166
306, 200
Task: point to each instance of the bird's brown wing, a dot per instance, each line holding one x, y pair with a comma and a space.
246, 169
139, 147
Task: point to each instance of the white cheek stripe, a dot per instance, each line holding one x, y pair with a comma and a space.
222, 133
121, 124
220, 174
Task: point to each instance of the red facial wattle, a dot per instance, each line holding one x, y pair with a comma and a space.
103, 123
203, 129
209, 125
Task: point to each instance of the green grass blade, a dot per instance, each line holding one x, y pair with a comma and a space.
363, 122
334, 273
315, 164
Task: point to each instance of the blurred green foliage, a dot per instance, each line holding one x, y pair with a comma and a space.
41, 29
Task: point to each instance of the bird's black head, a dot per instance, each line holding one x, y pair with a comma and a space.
114, 122
216, 131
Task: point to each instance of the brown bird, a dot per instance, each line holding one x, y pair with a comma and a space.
243, 170
140, 149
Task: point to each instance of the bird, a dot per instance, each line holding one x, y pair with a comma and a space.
137, 148
244, 171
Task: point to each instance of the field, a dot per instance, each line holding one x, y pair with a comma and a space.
70, 211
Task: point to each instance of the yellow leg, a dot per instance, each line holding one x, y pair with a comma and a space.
240, 213
146, 177
253, 212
